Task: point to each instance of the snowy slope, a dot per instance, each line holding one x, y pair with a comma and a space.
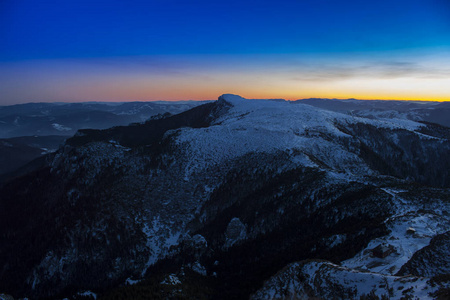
269, 126
428, 111
330, 281
411, 229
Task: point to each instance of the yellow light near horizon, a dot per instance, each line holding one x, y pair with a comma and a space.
202, 89
190, 79
394, 89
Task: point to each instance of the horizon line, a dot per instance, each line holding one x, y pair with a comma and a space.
200, 100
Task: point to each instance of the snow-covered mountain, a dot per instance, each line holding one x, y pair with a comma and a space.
424, 111
215, 201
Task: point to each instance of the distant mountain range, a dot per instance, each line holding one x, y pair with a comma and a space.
428, 111
28, 131
236, 199
39, 119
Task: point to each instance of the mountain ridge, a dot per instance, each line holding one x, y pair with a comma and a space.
231, 182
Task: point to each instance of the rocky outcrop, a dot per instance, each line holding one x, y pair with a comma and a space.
432, 260
236, 232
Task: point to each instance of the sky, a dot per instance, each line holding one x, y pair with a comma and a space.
130, 50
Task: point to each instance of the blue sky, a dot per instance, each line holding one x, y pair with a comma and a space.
147, 40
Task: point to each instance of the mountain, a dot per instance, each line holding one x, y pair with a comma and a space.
17, 152
426, 111
232, 199
40, 119
33, 129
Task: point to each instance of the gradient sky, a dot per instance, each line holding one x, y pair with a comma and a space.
120, 50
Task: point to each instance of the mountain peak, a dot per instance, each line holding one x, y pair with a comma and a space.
231, 98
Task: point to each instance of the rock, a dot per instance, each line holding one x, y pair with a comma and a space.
236, 231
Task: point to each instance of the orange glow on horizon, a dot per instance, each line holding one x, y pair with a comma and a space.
187, 78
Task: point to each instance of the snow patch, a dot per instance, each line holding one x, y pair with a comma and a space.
198, 268
88, 294
130, 281
159, 239
60, 127
172, 279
